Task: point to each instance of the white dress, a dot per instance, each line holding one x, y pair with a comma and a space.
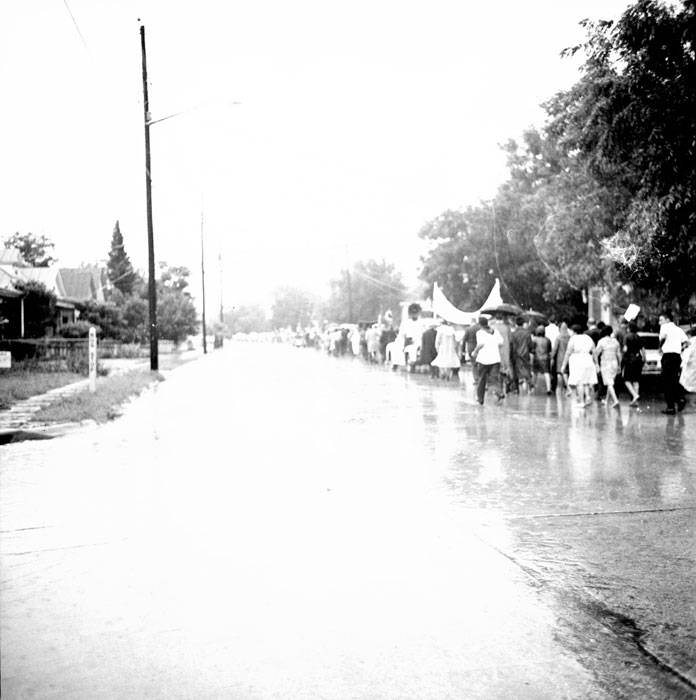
446, 346
581, 366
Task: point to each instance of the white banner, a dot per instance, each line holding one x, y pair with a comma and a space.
444, 308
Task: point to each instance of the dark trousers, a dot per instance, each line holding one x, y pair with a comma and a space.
671, 365
484, 373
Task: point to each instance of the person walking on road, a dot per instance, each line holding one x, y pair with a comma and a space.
469, 343
688, 372
580, 363
607, 355
633, 361
428, 351
501, 325
541, 362
487, 357
411, 332
673, 341
521, 347
558, 353
372, 339
447, 358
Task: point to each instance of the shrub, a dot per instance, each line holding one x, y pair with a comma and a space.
108, 317
78, 329
39, 308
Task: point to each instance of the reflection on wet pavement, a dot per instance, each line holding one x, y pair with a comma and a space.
597, 503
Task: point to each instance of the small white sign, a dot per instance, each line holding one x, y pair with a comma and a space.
92, 359
5, 359
631, 312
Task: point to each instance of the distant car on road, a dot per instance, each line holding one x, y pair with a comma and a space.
653, 360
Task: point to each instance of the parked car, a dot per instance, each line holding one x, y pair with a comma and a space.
653, 356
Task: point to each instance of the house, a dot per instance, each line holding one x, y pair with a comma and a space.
11, 313
14, 270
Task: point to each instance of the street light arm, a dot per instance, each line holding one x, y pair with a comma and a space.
150, 122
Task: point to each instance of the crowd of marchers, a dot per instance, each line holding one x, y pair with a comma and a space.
522, 354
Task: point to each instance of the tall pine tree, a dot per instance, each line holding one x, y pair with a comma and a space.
119, 268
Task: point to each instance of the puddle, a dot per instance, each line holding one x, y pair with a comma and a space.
11, 436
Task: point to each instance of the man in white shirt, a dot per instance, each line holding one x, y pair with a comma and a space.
487, 357
673, 341
551, 331
411, 332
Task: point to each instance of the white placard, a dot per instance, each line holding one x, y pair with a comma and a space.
631, 312
5, 359
92, 359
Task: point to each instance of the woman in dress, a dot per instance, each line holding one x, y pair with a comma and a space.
558, 353
579, 361
447, 357
633, 361
541, 362
607, 355
688, 372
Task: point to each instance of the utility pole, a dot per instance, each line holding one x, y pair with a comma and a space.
349, 282
152, 288
205, 332
350, 296
222, 313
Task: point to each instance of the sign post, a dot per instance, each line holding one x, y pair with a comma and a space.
5, 360
92, 359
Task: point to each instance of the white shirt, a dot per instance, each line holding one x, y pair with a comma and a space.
673, 337
551, 332
489, 352
412, 328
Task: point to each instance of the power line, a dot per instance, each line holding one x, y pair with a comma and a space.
378, 282
77, 28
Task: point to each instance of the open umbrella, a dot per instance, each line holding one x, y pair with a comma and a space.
510, 309
535, 315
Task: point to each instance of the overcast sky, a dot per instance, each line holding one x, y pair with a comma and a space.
359, 121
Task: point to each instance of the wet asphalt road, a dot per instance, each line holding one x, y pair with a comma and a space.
273, 523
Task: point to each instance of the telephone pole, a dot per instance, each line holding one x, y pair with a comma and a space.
222, 313
350, 296
152, 288
349, 285
205, 332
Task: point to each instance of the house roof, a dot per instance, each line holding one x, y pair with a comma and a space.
78, 283
48, 276
11, 256
7, 277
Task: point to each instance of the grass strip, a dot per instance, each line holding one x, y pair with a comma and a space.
19, 385
103, 404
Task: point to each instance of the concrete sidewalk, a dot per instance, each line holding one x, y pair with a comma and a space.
20, 415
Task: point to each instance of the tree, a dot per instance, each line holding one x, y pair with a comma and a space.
469, 249
33, 249
173, 277
633, 117
107, 317
292, 307
119, 268
566, 213
176, 315
375, 286
246, 318
39, 308
135, 315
